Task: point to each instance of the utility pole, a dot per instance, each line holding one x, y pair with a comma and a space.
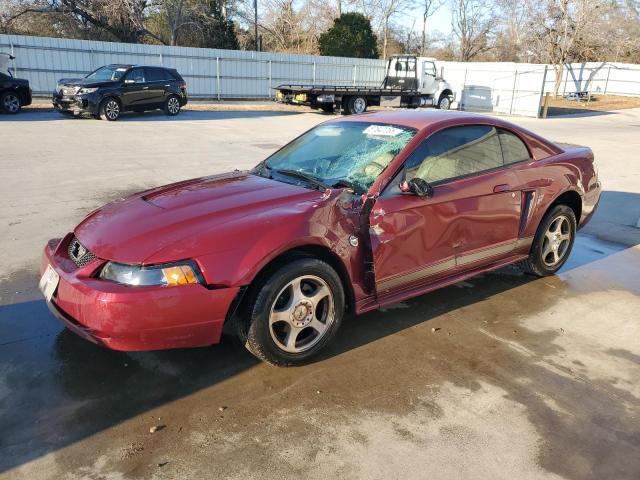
255, 24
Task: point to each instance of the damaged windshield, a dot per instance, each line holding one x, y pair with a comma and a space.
351, 154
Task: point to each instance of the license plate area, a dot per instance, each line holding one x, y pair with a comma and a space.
49, 282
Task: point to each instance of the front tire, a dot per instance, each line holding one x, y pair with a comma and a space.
444, 102
552, 243
109, 109
172, 105
293, 313
10, 103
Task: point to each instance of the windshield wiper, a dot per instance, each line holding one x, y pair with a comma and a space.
343, 182
303, 176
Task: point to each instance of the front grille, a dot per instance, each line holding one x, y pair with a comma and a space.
68, 91
79, 254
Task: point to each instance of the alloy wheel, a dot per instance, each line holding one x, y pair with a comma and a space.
556, 241
301, 314
445, 103
173, 105
11, 103
112, 109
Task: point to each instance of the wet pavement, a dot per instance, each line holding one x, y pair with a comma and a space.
501, 376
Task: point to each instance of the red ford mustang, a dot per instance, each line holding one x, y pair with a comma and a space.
355, 214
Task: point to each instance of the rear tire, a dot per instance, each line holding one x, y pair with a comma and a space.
10, 102
292, 313
552, 243
109, 109
357, 105
172, 105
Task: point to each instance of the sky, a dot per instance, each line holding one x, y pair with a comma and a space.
441, 20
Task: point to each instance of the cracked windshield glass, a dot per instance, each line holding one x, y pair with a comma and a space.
351, 154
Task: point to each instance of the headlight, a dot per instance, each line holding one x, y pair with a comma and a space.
87, 90
140, 275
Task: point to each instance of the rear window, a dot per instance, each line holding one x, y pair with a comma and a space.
513, 149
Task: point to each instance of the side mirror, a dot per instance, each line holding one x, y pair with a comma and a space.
417, 186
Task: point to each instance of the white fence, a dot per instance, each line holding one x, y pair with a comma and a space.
210, 73
598, 77
507, 88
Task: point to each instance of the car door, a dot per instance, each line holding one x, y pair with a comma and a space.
134, 89
471, 219
157, 83
428, 84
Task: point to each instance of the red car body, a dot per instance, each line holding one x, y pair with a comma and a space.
234, 225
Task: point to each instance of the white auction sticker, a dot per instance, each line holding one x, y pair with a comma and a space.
382, 131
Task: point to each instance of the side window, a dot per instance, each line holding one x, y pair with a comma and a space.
155, 74
136, 74
455, 152
513, 149
430, 69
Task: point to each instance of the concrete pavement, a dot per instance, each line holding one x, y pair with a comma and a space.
501, 376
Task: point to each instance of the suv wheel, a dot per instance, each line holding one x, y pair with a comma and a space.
10, 102
293, 313
553, 242
172, 105
110, 109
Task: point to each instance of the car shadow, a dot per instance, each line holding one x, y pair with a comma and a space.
57, 389
49, 114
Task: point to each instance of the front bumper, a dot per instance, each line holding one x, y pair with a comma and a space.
85, 103
133, 318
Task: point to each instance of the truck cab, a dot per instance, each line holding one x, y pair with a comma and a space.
409, 72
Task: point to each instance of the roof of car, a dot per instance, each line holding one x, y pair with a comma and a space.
419, 118
129, 65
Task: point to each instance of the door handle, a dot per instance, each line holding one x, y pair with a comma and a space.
501, 188
145, 88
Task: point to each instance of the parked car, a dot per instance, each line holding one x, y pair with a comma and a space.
112, 89
14, 92
353, 215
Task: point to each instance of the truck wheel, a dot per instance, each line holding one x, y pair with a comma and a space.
444, 102
292, 314
357, 105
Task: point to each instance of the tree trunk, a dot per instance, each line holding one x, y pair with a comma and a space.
175, 25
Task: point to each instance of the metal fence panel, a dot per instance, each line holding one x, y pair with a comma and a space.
502, 87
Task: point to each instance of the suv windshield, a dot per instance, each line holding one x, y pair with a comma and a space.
348, 153
108, 74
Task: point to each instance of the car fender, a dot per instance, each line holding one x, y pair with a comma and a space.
238, 267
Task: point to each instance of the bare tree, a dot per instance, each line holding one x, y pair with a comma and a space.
123, 19
429, 7
559, 28
472, 26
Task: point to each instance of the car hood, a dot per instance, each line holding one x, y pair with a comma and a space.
84, 82
19, 81
163, 219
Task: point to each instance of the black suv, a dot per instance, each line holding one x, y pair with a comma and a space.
112, 89
14, 93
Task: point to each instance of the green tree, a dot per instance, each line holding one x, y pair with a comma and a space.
350, 36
